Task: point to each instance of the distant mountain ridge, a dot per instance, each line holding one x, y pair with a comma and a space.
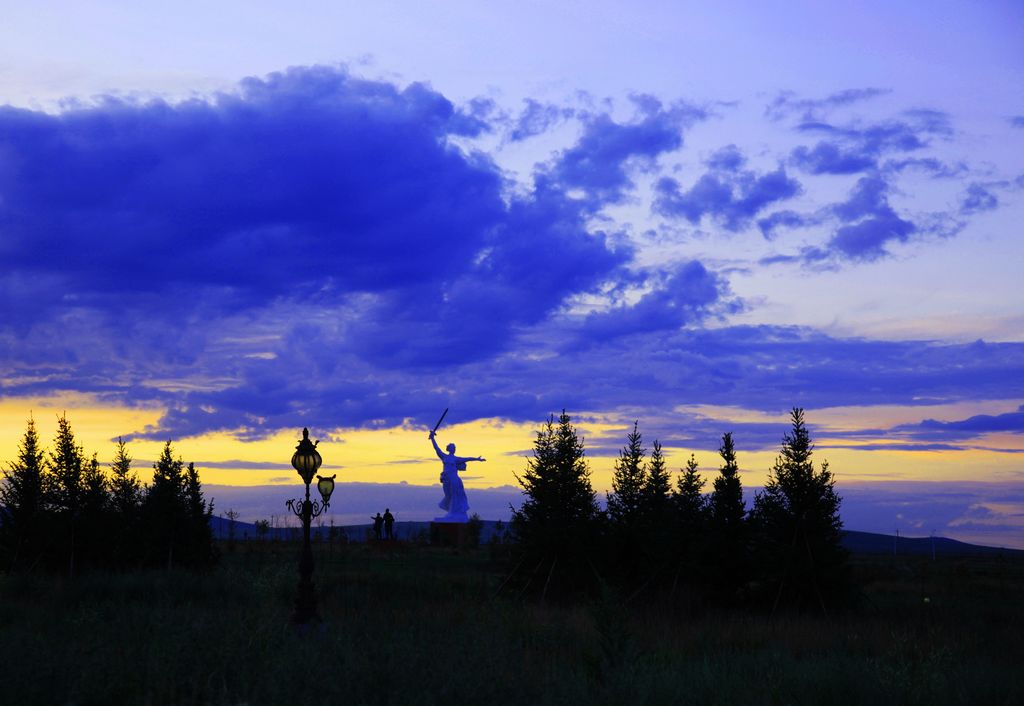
854, 541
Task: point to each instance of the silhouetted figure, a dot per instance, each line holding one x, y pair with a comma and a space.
455, 502
389, 524
378, 523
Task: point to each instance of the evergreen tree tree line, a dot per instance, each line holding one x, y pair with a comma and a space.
62, 511
675, 538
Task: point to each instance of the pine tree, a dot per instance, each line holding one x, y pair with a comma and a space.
65, 488
629, 553
164, 508
94, 485
798, 524
726, 504
23, 511
557, 524
199, 511
66, 465
94, 518
626, 502
690, 503
125, 508
691, 520
125, 487
728, 545
658, 487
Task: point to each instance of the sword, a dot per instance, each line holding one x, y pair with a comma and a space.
443, 415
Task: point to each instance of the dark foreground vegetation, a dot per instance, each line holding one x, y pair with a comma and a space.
114, 591
418, 625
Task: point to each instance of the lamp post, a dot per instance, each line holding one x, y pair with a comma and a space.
306, 461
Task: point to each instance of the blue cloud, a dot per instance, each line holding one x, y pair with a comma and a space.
314, 248
830, 158
1016, 121
867, 239
978, 198
599, 163
729, 159
313, 381
970, 428
871, 223
936, 168
785, 219
733, 196
853, 149
310, 188
243, 193
786, 103
686, 296
537, 118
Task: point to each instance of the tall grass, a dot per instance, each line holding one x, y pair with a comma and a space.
423, 627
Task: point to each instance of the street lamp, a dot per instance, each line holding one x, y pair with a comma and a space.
306, 461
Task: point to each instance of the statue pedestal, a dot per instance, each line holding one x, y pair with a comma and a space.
449, 534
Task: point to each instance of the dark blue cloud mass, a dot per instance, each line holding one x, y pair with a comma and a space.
309, 186
321, 249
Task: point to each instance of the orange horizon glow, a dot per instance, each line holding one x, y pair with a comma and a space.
403, 453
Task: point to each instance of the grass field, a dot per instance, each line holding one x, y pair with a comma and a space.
422, 626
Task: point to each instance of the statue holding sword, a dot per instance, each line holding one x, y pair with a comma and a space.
455, 503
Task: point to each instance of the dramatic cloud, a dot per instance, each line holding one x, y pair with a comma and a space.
315, 248
124, 222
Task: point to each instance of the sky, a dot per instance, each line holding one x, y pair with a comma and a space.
220, 224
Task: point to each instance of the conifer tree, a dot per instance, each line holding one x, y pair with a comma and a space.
691, 505
95, 495
199, 512
728, 546
94, 520
629, 553
726, 504
691, 519
66, 465
627, 501
64, 487
125, 504
798, 524
125, 487
164, 507
23, 504
658, 488
558, 520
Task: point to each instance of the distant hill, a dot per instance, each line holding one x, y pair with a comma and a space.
872, 543
855, 542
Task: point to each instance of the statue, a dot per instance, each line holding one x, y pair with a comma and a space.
454, 503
